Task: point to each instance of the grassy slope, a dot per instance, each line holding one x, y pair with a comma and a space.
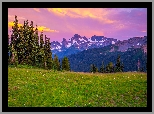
38, 87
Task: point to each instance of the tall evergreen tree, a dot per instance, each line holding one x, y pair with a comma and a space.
65, 64
21, 46
13, 46
41, 53
56, 63
36, 40
119, 67
102, 69
28, 46
94, 69
107, 69
111, 67
48, 53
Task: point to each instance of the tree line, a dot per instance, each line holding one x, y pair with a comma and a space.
25, 46
119, 67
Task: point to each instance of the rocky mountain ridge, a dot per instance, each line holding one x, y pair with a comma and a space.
78, 44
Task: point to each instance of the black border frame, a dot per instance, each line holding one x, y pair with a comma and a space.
6, 5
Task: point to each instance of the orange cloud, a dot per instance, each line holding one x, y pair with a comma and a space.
99, 14
37, 9
40, 28
10, 24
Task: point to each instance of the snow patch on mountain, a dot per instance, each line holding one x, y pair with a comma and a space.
113, 42
69, 45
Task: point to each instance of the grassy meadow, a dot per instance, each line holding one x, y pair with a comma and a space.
33, 87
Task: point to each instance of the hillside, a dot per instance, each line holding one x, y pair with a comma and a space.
81, 61
29, 87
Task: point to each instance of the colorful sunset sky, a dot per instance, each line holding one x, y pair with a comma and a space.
59, 23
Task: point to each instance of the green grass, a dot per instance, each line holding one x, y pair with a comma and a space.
32, 87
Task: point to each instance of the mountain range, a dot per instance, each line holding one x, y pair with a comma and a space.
78, 44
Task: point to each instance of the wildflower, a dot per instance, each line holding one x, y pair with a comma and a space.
114, 78
128, 76
27, 70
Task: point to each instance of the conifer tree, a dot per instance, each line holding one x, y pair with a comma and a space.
20, 45
41, 54
91, 68
102, 69
110, 67
13, 46
33, 51
107, 70
36, 40
56, 63
65, 64
94, 68
119, 67
27, 43
48, 53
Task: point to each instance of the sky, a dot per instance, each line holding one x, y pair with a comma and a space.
59, 23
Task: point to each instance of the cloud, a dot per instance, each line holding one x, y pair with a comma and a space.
144, 31
37, 9
40, 28
94, 13
10, 24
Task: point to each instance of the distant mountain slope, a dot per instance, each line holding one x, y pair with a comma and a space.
81, 62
